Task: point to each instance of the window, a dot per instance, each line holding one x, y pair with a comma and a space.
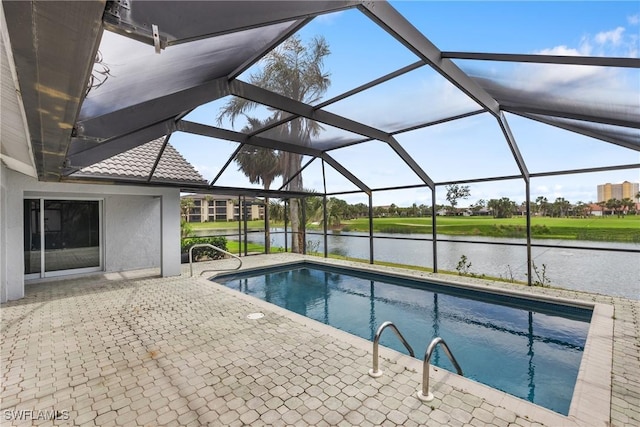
69, 232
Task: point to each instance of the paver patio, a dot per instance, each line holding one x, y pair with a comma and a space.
140, 350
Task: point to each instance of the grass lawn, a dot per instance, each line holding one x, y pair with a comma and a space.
608, 228
233, 246
625, 229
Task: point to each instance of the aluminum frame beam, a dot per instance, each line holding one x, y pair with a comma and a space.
546, 59
274, 100
158, 157
342, 170
206, 130
91, 152
585, 132
351, 92
259, 141
506, 130
556, 112
372, 83
123, 121
397, 25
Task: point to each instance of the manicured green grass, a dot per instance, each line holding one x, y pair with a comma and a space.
233, 246
608, 228
594, 228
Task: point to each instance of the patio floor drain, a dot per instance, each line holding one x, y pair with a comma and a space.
254, 316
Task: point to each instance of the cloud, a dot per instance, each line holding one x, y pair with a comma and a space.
328, 18
617, 42
613, 37
587, 81
563, 50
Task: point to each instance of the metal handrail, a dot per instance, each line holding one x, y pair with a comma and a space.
425, 395
198, 245
375, 372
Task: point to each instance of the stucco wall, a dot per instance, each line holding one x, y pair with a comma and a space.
141, 226
131, 232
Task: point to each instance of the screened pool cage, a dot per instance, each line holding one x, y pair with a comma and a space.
128, 72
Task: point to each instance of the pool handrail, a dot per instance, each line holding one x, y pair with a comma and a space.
425, 395
375, 372
198, 245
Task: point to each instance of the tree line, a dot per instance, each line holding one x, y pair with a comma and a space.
338, 209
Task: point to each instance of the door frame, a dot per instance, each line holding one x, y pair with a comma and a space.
44, 274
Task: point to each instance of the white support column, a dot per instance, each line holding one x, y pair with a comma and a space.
3, 240
170, 233
12, 253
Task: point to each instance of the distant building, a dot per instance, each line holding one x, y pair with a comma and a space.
618, 191
212, 207
596, 210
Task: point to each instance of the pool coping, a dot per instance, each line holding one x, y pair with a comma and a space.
591, 400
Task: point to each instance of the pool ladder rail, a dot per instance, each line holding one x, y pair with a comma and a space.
199, 245
375, 372
424, 394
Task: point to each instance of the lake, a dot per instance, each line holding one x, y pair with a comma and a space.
604, 272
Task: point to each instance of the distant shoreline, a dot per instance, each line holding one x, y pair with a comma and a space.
601, 229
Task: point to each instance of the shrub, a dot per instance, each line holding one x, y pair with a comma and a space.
218, 241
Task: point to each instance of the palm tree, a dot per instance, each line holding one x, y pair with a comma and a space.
260, 165
542, 203
627, 205
296, 71
276, 210
561, 207
186, 205
614, 205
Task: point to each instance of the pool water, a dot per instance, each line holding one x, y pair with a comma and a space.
527, 348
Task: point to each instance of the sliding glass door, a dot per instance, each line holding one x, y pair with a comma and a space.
69, 232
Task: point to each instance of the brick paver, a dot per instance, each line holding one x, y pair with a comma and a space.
181, 351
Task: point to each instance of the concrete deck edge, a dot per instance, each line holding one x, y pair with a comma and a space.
590, 404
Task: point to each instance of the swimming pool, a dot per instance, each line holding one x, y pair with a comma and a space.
530, 349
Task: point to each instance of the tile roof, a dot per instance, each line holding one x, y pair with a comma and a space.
137, 163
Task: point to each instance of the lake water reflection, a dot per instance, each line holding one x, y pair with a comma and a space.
610, 273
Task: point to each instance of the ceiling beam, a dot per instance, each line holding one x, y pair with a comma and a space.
255, 192
372, 83
582, 131
128, 119
91, 152
547, 59
347, 94
410, 161
345, 172
559, 112
515, 151
259, 141
274, 100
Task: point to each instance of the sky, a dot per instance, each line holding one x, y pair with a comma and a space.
473, 147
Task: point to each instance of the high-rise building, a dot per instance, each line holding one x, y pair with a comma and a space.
618, 191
